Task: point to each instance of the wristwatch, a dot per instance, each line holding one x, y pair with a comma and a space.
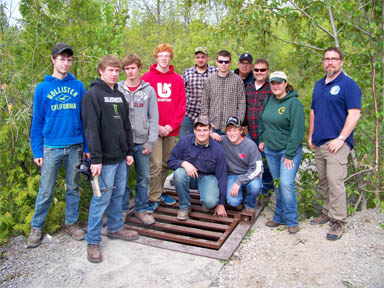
341, 138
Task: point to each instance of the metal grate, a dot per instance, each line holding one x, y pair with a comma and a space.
203, 234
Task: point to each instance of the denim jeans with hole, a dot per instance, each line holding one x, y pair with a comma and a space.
286, 202
142, 177
252, 191
113, 180
52, 160
208, 187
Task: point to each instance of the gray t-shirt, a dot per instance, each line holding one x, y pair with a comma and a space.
243, 160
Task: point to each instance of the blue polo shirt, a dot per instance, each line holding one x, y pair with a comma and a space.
208, 160
330, 103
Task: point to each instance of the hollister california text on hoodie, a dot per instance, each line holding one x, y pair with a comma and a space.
170, 91
56, 118
106, 124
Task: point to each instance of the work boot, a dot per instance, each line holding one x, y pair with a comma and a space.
34, 238
293, 229
75, 231
322, 219
93, 253
336, 230
183, 215
265, 200
124, 234
145, 218
272, 224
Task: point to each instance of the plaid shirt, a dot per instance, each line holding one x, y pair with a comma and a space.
223, 97
194, 85
255, 100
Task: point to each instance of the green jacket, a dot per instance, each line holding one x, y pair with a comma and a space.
282, 124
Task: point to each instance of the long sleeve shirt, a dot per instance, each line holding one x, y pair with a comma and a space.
223, 97
208, 160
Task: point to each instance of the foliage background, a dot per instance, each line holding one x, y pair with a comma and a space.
290, 34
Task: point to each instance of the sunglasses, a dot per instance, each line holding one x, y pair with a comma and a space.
260, 70
223, 61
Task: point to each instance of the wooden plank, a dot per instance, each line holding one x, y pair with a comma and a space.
180, 229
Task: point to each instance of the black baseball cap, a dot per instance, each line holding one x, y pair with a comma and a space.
234, 121
61, 47
246, 56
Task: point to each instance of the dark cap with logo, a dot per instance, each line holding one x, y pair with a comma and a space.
203, 120
233, 120
61, 47
246, 56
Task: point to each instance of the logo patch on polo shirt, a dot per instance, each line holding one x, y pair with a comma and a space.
242, 156
335, 90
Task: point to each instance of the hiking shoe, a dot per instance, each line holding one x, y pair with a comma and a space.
183, 215
272, 224
34, 238
75, 231
145, 218
293, 229
165, 199
124, 234
152, 206
322, 219
93, 253
336, 230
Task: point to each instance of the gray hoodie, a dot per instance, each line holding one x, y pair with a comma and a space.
143, 113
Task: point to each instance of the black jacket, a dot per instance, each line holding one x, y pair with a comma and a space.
107, 128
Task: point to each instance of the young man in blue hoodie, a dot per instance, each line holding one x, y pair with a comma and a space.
57, 136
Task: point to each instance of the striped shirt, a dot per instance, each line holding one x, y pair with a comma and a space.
194, 85
223, 97
255, 100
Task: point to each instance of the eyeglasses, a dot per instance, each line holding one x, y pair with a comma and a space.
260, 70
333, 59
223, 61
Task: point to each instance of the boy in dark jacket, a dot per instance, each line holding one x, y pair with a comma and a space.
109, 135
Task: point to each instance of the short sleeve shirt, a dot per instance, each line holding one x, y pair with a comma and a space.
330, 103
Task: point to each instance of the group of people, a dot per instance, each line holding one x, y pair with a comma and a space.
238, 132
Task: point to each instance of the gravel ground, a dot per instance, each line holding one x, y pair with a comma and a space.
274, 258
266, 258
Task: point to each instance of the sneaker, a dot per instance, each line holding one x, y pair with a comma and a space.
336, 230
152, 206
145, 218
93, 253
293, 229
34, 238
75, 231
272, 224
322, 219
124, 234
205, 208
167, 200
183, 215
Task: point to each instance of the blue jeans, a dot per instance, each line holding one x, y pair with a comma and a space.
267, 177
142, 177
208, 187
286, 203
186, 127
114, 175
52, 159
252, 189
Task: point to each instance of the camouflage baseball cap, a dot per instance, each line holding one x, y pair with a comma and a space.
201, 49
